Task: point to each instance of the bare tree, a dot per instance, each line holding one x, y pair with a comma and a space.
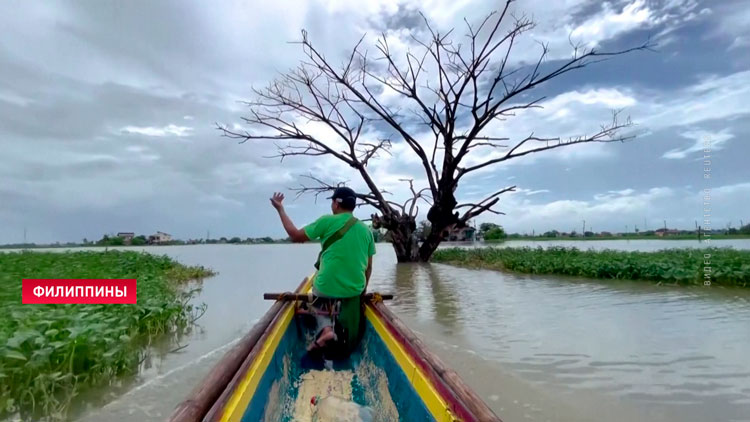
454, 90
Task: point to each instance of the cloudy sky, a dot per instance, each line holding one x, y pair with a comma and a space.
108, 113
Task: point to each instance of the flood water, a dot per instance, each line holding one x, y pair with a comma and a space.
540, 348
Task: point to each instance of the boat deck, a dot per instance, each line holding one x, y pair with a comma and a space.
371, 377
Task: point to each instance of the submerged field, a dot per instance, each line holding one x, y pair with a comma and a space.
51, 353
727, 267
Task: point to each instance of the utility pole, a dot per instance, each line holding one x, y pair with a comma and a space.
24, 234
645, 226
583, 233
665, 225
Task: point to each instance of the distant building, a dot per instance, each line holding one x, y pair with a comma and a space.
604, 234
459, 234
127, 237
666, 232
160, 237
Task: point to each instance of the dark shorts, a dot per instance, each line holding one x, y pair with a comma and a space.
346, 323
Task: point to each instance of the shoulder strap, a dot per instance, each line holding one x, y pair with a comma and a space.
334, 237
339, 233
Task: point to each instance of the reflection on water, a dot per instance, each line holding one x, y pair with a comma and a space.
680, 353
419, 286
630, 350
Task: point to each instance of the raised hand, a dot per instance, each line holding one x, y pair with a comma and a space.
276, 200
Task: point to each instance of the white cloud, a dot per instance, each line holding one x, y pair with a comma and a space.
730, 190
623, 192
733, 21
14, 98
609, 22
535, 192
701, 140
136, 148
716, 97
583, 112
628, 197
741, 42
602, 212
713, 98
158, 131
608, 97
612, 210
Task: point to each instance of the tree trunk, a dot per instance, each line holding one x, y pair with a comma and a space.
403, 232
405, 243
407, 247
430, 244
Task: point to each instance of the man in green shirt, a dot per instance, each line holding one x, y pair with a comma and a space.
345, 265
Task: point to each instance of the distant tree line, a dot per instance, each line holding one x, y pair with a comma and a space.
247, 240
487, 231
107, 240
141, 240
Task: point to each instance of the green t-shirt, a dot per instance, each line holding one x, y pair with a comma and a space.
343, 264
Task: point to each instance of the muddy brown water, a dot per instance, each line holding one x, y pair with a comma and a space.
536, 348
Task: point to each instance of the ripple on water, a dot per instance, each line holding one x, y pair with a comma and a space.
633, 340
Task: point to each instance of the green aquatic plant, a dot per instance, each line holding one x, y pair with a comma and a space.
50, 353
727, 267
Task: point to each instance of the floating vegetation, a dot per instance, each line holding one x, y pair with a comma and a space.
727, 267
50, 353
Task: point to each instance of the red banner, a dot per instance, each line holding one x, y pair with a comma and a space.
79, 291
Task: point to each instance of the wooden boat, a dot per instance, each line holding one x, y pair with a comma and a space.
261, 379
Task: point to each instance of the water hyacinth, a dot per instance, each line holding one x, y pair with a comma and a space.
728, 267
50, 353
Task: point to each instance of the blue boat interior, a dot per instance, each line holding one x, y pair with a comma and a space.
378, 380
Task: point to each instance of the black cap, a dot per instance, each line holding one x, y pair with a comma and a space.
343, 193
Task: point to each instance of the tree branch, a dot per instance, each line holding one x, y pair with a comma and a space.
608, 133
455, 88
485, 205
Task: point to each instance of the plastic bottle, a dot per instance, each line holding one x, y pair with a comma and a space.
337, 409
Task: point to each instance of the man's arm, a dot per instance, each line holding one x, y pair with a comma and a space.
297, 235
368, 272
370, 253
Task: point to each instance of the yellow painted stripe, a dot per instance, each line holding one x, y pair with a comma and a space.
245, 390
432, 399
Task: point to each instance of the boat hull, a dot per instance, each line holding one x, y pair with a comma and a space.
390, 371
